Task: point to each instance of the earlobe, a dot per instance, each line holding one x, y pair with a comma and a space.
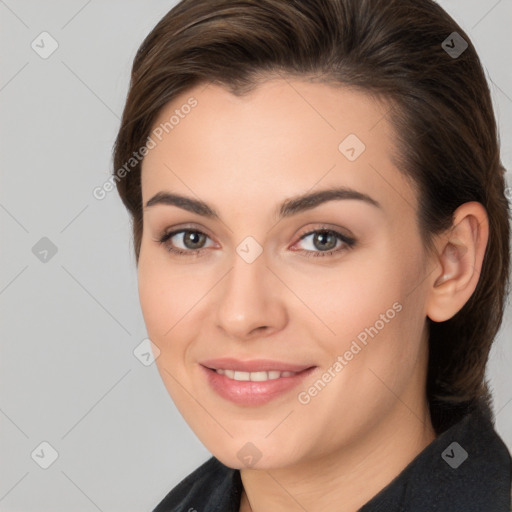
458, 262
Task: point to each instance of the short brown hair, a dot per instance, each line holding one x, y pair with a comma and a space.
442, 114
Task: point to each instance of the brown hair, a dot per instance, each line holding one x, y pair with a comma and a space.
441, 111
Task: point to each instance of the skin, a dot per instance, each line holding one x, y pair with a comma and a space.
244, 156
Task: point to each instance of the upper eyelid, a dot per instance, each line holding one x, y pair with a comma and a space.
325, 228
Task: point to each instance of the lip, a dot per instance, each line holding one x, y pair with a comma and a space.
254, 393
254, 365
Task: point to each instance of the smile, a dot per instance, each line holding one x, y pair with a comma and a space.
253, 376
253, 388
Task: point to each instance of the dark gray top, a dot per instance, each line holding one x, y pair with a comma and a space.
467, 468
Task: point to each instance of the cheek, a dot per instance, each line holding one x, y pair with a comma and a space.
153, 298
369, 316
174, 302
162, 296
380, 340
163, 308
351, 298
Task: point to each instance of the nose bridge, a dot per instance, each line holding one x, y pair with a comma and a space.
246, 283
249, 300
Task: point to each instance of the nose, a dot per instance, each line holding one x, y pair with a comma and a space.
251, 300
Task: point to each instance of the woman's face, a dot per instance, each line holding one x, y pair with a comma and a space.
334, 283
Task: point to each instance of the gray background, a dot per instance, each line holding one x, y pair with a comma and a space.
68, 375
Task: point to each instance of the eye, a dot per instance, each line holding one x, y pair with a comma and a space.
191, 240
325, 242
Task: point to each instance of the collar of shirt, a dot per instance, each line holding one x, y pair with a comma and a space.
466, 468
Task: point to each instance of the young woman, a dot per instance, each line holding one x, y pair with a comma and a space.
322, 241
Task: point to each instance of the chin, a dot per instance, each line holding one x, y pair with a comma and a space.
252, 455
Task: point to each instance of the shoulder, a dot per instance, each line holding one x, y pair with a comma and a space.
466, 468
211, 487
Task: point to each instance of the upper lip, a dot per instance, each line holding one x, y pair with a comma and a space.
253, 365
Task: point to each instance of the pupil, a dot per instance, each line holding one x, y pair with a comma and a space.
192, 236
323, 237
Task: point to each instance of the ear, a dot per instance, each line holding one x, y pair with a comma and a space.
458, 262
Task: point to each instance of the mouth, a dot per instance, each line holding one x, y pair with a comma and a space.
254, 382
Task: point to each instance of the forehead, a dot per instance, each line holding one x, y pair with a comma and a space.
284, 138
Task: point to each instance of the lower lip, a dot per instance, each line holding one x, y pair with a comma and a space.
253, 392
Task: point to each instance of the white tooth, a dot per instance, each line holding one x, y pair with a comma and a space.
259, 376
241, 376
254, 376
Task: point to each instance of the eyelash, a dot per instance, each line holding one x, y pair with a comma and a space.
349, 243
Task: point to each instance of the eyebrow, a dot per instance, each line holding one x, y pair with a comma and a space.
289, 207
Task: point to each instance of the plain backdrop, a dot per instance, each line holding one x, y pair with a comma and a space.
70, 316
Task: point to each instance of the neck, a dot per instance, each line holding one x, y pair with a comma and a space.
342, 481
